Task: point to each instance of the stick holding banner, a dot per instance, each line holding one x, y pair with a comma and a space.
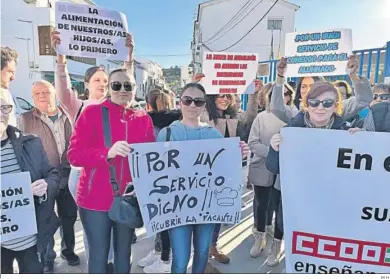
89, 31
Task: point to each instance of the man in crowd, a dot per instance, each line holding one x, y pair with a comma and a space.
378, 118
9, 58
53, 127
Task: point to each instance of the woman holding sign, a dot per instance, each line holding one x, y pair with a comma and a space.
96, 86
25, 153
349, 107
323, 105
193, 103
90, 150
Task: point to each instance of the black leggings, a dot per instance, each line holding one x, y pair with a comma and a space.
97, 226
163, 244
27, 259
263, 197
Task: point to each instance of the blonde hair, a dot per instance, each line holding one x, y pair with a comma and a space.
163, 102
319, 88
44, 83
263, 97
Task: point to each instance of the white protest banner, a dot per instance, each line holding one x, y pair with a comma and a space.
336, 205
322, 53
228, 73
187, 182
17, 206
90, 31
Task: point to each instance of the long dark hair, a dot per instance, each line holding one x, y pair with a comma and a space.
298, 91
88, 75
212, 109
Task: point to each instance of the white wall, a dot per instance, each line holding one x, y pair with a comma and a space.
259, 40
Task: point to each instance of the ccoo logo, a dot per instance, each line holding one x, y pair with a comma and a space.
341, 249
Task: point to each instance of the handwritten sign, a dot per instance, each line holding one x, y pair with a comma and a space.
336, 220
89, 31
228, 73
322, 53
187, 182
17, 206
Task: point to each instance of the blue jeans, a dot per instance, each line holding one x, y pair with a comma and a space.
181, 247
98, 227
72, 184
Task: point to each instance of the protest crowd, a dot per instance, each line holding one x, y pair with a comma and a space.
77, 153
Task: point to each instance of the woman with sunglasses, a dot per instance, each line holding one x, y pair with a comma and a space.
350, 107
322, 110
193, 103
160, 109
266, 185
379, 107
88, 151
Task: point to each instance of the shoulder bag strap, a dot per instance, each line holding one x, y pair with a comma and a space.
79, 112
168, 137
108, 143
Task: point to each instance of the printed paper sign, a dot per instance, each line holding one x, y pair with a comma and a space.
89, 31
335, 195
228, 73
187, 182
323, 53
17, 206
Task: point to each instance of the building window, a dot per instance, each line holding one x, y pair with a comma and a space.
275, 24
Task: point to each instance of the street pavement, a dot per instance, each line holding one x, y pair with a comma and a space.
235, 241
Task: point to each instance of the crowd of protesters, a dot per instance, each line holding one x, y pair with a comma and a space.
65, 150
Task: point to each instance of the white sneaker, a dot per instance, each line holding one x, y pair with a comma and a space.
274, 256
270, 230
149, 259
260, 244
158, 267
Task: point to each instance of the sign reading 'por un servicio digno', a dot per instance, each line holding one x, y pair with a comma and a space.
337, 219
229, 73
186, 183
320, 53
90, 31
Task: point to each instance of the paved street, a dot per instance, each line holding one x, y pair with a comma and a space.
235, 241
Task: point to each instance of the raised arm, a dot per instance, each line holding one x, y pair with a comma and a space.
363, 92
67, 98
129, 64
277, 106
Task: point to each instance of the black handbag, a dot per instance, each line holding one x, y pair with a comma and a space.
124, 210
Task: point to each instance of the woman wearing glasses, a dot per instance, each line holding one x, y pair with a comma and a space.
87, 150
323, 107
350, 107
21, 152
96, 85
193, 103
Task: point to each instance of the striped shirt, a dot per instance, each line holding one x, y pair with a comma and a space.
9, 164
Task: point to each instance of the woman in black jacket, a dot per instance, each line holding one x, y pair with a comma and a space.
25, 153
322, 110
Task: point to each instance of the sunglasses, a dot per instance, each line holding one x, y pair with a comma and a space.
222, 96
382, 97
328, 103
198, 102
6, 109
117, 86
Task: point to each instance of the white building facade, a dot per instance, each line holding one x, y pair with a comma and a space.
148, 74
222, 23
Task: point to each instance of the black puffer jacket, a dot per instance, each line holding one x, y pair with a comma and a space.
163, 119
32, 157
